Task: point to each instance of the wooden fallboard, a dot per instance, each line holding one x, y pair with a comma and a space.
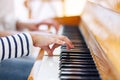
69, 20
102, 25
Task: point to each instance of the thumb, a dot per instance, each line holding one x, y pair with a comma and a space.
55, 46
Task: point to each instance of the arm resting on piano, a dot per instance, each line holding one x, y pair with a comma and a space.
38, 39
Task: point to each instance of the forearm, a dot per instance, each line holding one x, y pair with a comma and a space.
7, 33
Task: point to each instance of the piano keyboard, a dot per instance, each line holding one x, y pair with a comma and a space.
77, 63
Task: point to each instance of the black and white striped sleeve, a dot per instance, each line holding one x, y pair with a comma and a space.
15, 46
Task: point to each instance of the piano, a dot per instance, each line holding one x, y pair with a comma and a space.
96, 36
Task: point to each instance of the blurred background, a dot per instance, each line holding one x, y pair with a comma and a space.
42, 9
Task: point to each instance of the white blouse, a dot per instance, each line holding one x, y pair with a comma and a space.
7, 15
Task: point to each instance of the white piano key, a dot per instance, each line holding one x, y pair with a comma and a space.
49, 69
36, 68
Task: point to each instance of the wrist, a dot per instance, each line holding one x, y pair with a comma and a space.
33, 36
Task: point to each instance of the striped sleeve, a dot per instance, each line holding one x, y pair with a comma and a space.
15, 46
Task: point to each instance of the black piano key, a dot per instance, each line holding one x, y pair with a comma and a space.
69, 73
76, 46
76, 53
79, 78
76, 60
78, 66
75, 56
75, 50
79, 69
77, 63
82, 70
82, 43
78, 40
71, 69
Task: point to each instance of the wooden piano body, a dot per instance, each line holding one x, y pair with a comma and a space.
100, 24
